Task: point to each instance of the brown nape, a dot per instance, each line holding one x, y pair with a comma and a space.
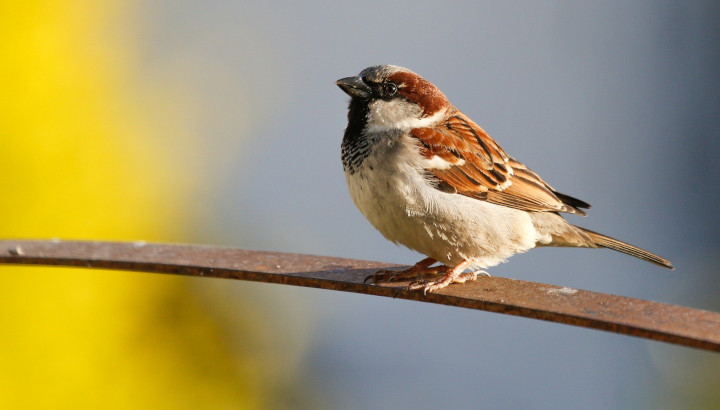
421, 91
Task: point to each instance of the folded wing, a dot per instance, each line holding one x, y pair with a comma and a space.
463, 156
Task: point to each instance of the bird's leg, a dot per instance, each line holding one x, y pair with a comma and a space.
453, 275
419, 269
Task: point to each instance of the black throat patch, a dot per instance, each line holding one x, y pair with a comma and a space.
355, 146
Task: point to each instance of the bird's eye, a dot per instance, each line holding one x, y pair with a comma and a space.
390, 89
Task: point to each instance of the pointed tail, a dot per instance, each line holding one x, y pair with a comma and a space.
620, 246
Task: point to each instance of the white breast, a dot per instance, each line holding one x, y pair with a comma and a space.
390, 188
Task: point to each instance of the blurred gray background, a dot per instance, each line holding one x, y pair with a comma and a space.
616, 103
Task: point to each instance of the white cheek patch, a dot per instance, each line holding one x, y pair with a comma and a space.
398, 114
384, 115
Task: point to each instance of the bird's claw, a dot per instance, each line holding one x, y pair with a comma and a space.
384, 276
414, 272
446, 281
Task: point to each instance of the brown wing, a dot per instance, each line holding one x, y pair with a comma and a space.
475, 166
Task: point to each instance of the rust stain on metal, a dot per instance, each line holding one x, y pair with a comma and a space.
641, 318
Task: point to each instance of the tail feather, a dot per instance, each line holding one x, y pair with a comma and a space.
626, 248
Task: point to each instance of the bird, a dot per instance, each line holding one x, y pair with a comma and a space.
429, 178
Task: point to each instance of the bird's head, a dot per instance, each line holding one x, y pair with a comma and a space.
389, 97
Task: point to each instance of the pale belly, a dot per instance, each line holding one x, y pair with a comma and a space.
450, 228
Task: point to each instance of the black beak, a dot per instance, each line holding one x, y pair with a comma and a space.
354, 87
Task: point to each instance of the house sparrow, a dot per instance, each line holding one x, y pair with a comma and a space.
426, 176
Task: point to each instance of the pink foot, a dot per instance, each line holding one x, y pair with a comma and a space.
419, 269
454, 275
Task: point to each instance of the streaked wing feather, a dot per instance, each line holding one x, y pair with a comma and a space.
479, 168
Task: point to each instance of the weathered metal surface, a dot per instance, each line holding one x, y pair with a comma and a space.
641, 318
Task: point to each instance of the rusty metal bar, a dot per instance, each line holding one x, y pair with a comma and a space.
656, 321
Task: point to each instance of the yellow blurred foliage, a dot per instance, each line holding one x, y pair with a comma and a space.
81, 156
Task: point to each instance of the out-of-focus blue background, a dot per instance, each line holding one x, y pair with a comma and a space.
615, 103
